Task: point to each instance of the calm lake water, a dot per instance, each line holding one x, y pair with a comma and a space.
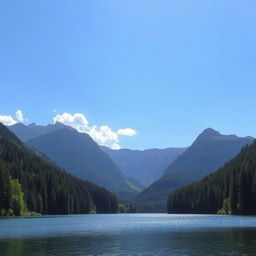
128, 234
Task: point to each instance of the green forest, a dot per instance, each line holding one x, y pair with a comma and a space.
230, 190
29, 183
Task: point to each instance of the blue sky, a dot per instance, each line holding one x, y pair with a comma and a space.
167, 69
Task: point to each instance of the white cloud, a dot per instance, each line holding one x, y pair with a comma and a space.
103, 135
19, 116
7, 120
11, 120
127, 132
77, 121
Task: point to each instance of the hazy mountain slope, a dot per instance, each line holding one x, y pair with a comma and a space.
47, 188
82, 157
144, 165
208, 153
231, 189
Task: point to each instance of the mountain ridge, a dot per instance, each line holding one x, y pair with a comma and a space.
207, 153
28, 132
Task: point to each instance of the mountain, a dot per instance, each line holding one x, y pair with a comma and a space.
146, 166
208, 153
81, 156
230, 190
28, 183
28, 132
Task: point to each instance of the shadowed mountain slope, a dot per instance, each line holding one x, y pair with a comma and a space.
82, 157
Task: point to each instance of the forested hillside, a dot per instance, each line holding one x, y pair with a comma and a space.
28, 183
230, 190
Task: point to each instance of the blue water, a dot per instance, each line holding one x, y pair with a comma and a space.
128, 234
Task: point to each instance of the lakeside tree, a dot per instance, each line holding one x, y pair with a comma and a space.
17, 198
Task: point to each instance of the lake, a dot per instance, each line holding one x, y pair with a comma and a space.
128, 234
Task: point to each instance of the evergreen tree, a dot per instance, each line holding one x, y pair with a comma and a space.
233, 195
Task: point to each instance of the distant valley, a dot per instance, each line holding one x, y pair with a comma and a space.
145, 166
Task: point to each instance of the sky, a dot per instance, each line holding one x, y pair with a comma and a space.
133, 74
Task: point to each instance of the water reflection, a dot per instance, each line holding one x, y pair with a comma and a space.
225, 241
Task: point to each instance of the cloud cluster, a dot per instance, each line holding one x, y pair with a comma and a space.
103, 135
77, 121
10, 120
7, 120
19, 116
127, 132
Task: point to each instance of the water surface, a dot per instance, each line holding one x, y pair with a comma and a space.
128, 234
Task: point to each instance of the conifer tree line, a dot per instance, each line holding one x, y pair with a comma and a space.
230, 190
29, 183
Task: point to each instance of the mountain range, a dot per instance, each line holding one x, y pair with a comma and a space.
141, 167
127, 172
